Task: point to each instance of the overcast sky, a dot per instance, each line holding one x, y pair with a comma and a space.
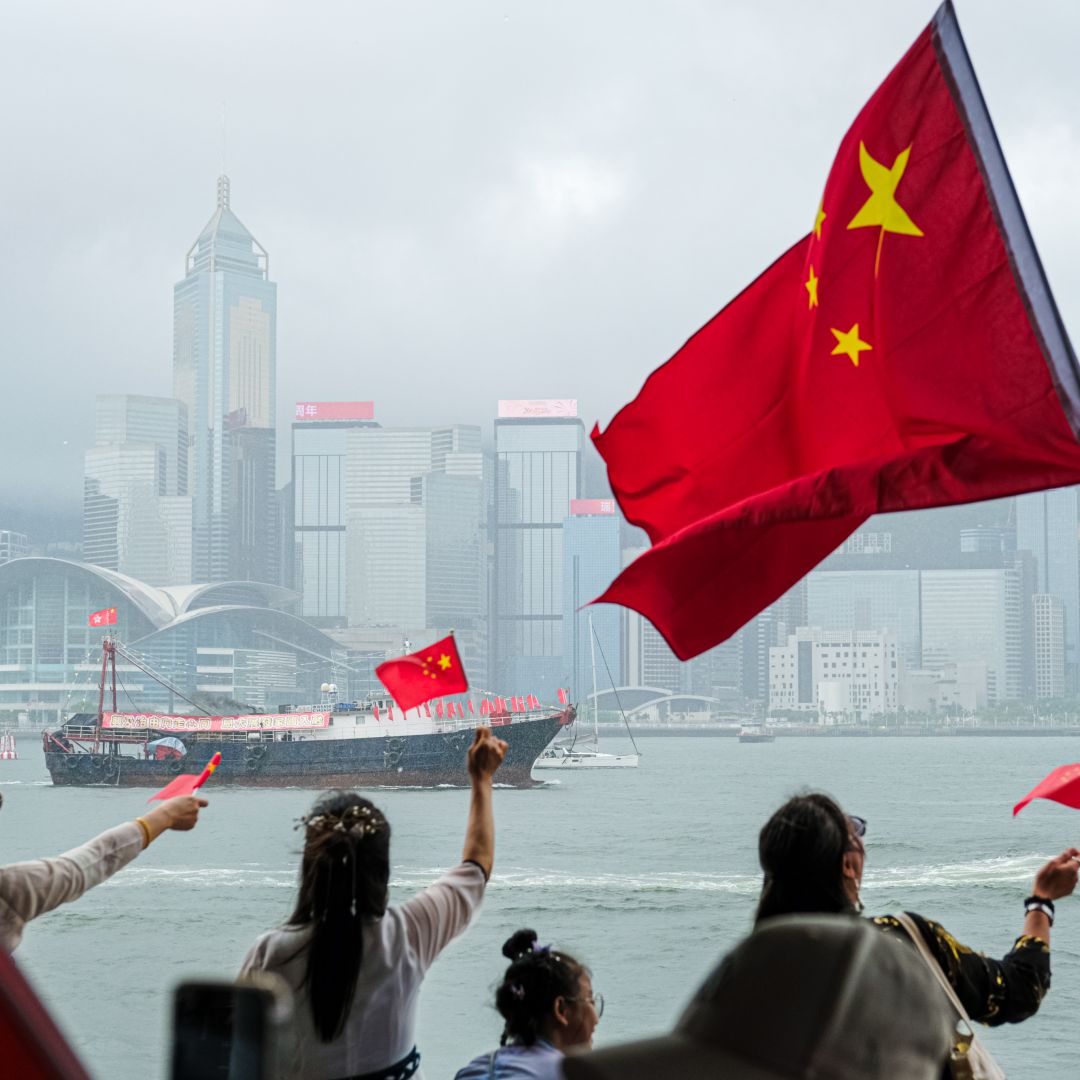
462, 201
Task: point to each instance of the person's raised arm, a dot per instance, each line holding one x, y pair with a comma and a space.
1053, 881
485, 756
29, 889
180, 813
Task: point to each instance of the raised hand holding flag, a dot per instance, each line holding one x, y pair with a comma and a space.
187, 783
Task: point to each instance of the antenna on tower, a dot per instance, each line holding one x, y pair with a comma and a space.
224, 133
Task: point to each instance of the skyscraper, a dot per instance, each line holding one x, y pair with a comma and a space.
319, 448
414, 534
1046, 525
591, 560
1049, 645
538, 451
224, 370
976, 615
136, 513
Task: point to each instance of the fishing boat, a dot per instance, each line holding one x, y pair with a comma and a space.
577, 749
330, 744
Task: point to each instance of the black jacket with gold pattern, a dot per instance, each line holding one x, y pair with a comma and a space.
994, 992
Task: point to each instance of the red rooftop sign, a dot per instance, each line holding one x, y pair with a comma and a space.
544, 407
335, 410
592, 506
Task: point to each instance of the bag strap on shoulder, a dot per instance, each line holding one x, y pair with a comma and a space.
913, 932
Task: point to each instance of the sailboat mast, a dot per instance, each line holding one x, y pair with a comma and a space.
595, 706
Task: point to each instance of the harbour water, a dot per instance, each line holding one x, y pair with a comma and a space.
648, 875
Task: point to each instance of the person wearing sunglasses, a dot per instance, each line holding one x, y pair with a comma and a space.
813, 854
548, 1006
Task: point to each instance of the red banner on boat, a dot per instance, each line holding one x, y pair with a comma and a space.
249, 722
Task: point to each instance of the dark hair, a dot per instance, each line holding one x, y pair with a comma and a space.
534, 979
344, 877
801, 849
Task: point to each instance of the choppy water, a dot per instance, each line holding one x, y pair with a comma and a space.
648, 876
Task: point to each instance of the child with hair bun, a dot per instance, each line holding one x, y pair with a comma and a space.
547, 1004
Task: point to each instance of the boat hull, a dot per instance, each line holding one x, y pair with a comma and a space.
577, 762
421, 760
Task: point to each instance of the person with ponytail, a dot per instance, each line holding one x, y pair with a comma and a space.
813, 855
354, 964
547, 1004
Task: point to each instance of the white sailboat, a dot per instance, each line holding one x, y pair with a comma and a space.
582, 751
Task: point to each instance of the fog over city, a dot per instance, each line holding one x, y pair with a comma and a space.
461, 202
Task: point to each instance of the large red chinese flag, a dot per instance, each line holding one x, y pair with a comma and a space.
423, 675
104, 617
906, 353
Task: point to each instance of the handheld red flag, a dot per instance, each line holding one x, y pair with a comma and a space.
423, 675
188, 783
907, 353
104, 617
1061, 786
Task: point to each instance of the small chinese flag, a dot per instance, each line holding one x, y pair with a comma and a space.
472, 711
564, 697
906, 353
423, 675
104, 617
187, 783
1062, 786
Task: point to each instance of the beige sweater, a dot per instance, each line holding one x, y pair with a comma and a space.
29, 889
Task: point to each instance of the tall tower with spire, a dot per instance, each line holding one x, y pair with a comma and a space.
224, 370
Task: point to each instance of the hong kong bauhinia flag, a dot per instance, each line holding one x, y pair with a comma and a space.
423, 675
906, 353
105, 617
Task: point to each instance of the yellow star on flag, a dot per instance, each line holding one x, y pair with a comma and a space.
444, 661
820, 218
849, 344
810, 284
882, 209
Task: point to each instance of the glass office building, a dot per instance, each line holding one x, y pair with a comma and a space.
976, 615
1046, 525
136, 511
591, 561
224, 370
319, 449
538, 455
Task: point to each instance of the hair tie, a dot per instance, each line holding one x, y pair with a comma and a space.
540, 950
518, 991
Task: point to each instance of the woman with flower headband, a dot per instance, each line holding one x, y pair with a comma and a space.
354, 964
547, 1001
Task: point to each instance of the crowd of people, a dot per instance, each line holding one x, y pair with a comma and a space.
815, 990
